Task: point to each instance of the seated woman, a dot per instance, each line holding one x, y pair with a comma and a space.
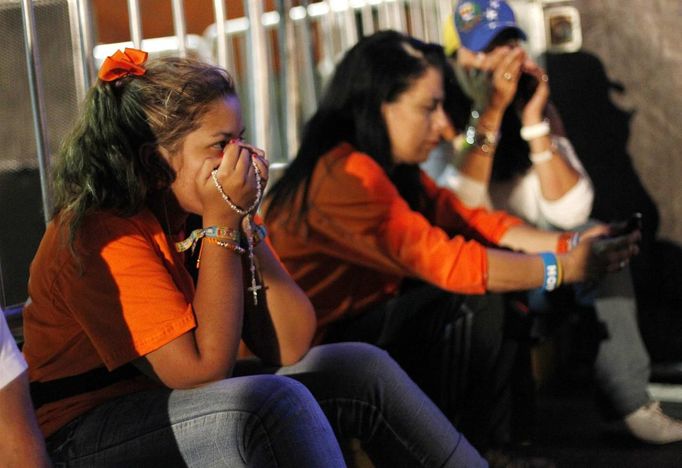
389, 258
534, 173
131, 363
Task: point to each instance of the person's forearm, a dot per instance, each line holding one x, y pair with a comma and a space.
290, 313
477, 162
22, 443
510, 271
218, 306
477, 165
530, 239
555, 173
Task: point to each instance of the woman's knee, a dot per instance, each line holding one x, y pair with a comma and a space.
354, 357
257, 394
253, 421
347, 368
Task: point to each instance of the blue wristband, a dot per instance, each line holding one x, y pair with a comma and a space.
551, 281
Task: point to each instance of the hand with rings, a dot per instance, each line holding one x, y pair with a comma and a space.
507, 63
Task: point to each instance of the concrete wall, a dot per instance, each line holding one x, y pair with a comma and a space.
639, 43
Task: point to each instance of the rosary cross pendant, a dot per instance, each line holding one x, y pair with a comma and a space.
254, 289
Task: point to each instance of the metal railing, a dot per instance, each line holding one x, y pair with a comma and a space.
281, 76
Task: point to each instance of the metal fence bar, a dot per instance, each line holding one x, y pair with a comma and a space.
397, 15
220, 15
384, 16
258, 73
416, 19
367, 19
37, 103
443, 10
327, 40
289, 93
135, 22
350, 28
312, 87
81, 33
179, 26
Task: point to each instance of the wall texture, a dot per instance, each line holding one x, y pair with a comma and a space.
639, 43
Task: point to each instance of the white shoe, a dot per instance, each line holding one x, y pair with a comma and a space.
651, 425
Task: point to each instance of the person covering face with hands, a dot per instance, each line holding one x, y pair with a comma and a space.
533, 172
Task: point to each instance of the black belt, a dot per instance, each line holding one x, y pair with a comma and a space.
95, 379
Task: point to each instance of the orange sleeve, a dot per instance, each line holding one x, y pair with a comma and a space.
454, 216
355, 205
132, 296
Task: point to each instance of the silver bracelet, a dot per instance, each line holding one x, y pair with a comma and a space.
485, 141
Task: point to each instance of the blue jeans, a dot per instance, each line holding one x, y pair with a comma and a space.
467, 373
273, 420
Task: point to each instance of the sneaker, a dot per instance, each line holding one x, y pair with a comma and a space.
651, 425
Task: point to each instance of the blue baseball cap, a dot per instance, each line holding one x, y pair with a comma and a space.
478, 22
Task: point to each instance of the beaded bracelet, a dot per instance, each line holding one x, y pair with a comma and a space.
214, 232
227, 245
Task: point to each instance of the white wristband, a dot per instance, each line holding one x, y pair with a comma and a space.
541, 157
531, 132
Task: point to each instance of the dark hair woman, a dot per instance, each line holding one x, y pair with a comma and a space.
388, 258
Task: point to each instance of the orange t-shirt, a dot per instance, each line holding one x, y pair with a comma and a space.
359, 237
125, 295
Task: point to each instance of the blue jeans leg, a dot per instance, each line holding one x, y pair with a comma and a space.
366, 395
255, 421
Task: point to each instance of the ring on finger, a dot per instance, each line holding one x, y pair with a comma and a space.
507, 76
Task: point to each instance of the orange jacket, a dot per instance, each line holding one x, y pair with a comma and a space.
359, 238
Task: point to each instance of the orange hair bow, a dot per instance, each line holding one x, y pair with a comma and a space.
128, 62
